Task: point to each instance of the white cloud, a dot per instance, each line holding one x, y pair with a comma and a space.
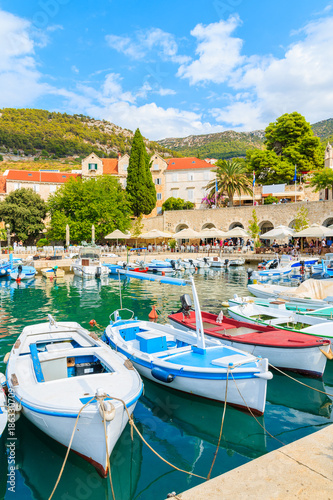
19, 78
164, 92
145, 42
218, 51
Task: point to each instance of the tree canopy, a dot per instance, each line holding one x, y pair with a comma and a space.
322, 179
25, 211
140, 187
82, 203
177, 204
231, 178
289, 141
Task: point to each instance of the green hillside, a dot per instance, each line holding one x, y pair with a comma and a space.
323, 129
43, 134
221, 145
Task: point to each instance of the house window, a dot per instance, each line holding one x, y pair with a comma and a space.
190, 194
156, 166
36, 188
92, 166
158, 181
190, 176
125, 167
53, 188
158, 196
174, 177
159, 210
17, 185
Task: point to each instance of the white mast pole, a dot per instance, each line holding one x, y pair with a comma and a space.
198, 318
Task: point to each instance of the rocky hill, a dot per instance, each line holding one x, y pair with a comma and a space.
220, 145
38, 134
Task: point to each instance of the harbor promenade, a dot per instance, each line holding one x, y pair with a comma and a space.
301, 470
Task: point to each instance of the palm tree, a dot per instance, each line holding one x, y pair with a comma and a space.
231, 178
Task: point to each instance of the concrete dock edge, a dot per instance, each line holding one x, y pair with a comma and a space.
302, 470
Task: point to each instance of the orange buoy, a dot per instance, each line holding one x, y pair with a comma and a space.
196, 268
92, 322
153, 314
18, 279
163, 273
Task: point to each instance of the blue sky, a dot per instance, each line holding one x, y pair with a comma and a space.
170, 68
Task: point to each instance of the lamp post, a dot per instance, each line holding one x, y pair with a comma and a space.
8, 235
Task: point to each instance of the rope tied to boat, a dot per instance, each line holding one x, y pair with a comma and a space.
299, 382
222, 423
133, 426
69, 447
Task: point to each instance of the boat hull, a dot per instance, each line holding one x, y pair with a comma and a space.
90, 271
307, 360
90, 423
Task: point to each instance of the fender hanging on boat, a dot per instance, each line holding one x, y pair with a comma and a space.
162, 375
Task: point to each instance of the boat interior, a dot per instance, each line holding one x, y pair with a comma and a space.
64, 358
172, 347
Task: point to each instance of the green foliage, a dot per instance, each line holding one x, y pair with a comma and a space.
140, 188
254, 228
269, 167
3, 234
172, 243
231, 178
82, 203
42, 242
290, 141
60, 134
177, 204
1, 158
301, 219
24, 210
269, 200
137, 227
322, 179
323, 129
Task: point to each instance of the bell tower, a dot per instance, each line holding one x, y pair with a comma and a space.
328, 156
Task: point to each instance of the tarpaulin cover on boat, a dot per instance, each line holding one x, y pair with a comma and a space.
314, 289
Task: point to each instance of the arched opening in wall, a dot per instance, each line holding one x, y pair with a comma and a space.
328, 222
180, 227
236, 224
208, 225
292, 224
265, 226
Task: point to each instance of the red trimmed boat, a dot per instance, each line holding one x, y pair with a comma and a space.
284, 349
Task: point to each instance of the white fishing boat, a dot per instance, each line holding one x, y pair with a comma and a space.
22, 273
216, 262
3, 406
54, 369
186, 361
202, 262
277, 316
89, 264
311, 293
236, 262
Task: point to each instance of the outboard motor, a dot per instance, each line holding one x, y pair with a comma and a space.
302, 270
98, 272
226, 262
274, 264
19, 269
191, 262
173, 264
186, 304
205, 260
249, 272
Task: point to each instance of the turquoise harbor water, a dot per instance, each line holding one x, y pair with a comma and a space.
184, 430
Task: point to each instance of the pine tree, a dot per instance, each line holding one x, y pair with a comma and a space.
140, 187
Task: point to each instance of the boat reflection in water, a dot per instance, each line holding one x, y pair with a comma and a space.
283, 391
39, 460
202, 419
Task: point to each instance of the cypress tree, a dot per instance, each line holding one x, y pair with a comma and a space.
140, 187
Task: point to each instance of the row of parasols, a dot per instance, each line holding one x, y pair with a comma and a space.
281, 232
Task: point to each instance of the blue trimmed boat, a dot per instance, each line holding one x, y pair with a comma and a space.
186, 361
54, 369
22, 273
